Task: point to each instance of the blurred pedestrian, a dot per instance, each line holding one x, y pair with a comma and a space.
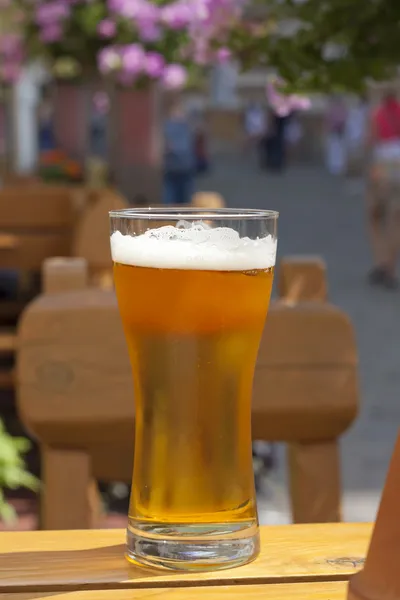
200, 148
293, 136
336, 119
384, 190
255, 125
276, 141
46, 139
179, 157
356, 132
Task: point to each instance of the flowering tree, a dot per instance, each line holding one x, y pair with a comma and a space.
324, 45
312, 44
134, 40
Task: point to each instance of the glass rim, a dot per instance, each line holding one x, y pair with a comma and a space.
194, 214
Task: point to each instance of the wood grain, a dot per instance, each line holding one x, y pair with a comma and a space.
68, 560
300, 591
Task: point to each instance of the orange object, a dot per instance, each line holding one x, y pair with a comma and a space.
380, 578
52, 157
72, 168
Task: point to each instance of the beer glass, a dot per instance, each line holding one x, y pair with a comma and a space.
193, 289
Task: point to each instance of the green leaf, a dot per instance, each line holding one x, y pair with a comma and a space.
7, 513
12, 468
89, 15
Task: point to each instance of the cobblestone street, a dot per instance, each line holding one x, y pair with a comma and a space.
325, 216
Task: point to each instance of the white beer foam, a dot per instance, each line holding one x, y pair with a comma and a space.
193, 246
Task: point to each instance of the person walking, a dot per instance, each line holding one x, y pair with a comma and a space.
383, 198
277, 141
335, 141
179, 157
356, 131
255, 125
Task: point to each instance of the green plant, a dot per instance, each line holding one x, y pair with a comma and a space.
13, 473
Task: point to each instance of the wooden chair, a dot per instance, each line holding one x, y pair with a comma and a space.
302, 284
75, 395
210, 200
43, 221
35, 222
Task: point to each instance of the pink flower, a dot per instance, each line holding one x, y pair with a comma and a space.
109, 59
300, 102
154, 65
129, 9
51, 13
10, 72
284, 104
10, 44
149, 31
174, 76
176, 15
132, 59
51, 33
107, 28
223, 55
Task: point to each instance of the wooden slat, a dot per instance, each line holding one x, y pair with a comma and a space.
8, 341
33, 248
38, 206
293, 591
8, 241
68, 560
7, 380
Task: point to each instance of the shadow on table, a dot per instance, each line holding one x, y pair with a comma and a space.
71, 570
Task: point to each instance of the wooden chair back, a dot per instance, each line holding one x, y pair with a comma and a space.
75, 395
38, 221
91, 239
35, 223
210, 200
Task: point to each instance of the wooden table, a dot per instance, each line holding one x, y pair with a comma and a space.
297, 562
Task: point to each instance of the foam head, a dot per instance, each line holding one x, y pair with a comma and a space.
193, 246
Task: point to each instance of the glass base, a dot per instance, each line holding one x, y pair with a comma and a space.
183, 547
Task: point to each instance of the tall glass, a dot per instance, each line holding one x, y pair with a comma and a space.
193, 289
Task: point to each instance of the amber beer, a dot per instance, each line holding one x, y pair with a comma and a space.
193, 337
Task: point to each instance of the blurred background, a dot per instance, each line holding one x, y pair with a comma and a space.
102, 103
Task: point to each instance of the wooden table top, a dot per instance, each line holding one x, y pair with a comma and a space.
297, 562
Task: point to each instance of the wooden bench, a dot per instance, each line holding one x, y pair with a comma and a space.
75, 395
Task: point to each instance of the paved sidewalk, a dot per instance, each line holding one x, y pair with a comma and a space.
323, 215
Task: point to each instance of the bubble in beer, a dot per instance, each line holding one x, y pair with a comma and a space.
194, 246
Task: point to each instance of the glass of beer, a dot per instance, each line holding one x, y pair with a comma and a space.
193, 289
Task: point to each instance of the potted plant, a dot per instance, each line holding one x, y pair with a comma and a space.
131, 48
